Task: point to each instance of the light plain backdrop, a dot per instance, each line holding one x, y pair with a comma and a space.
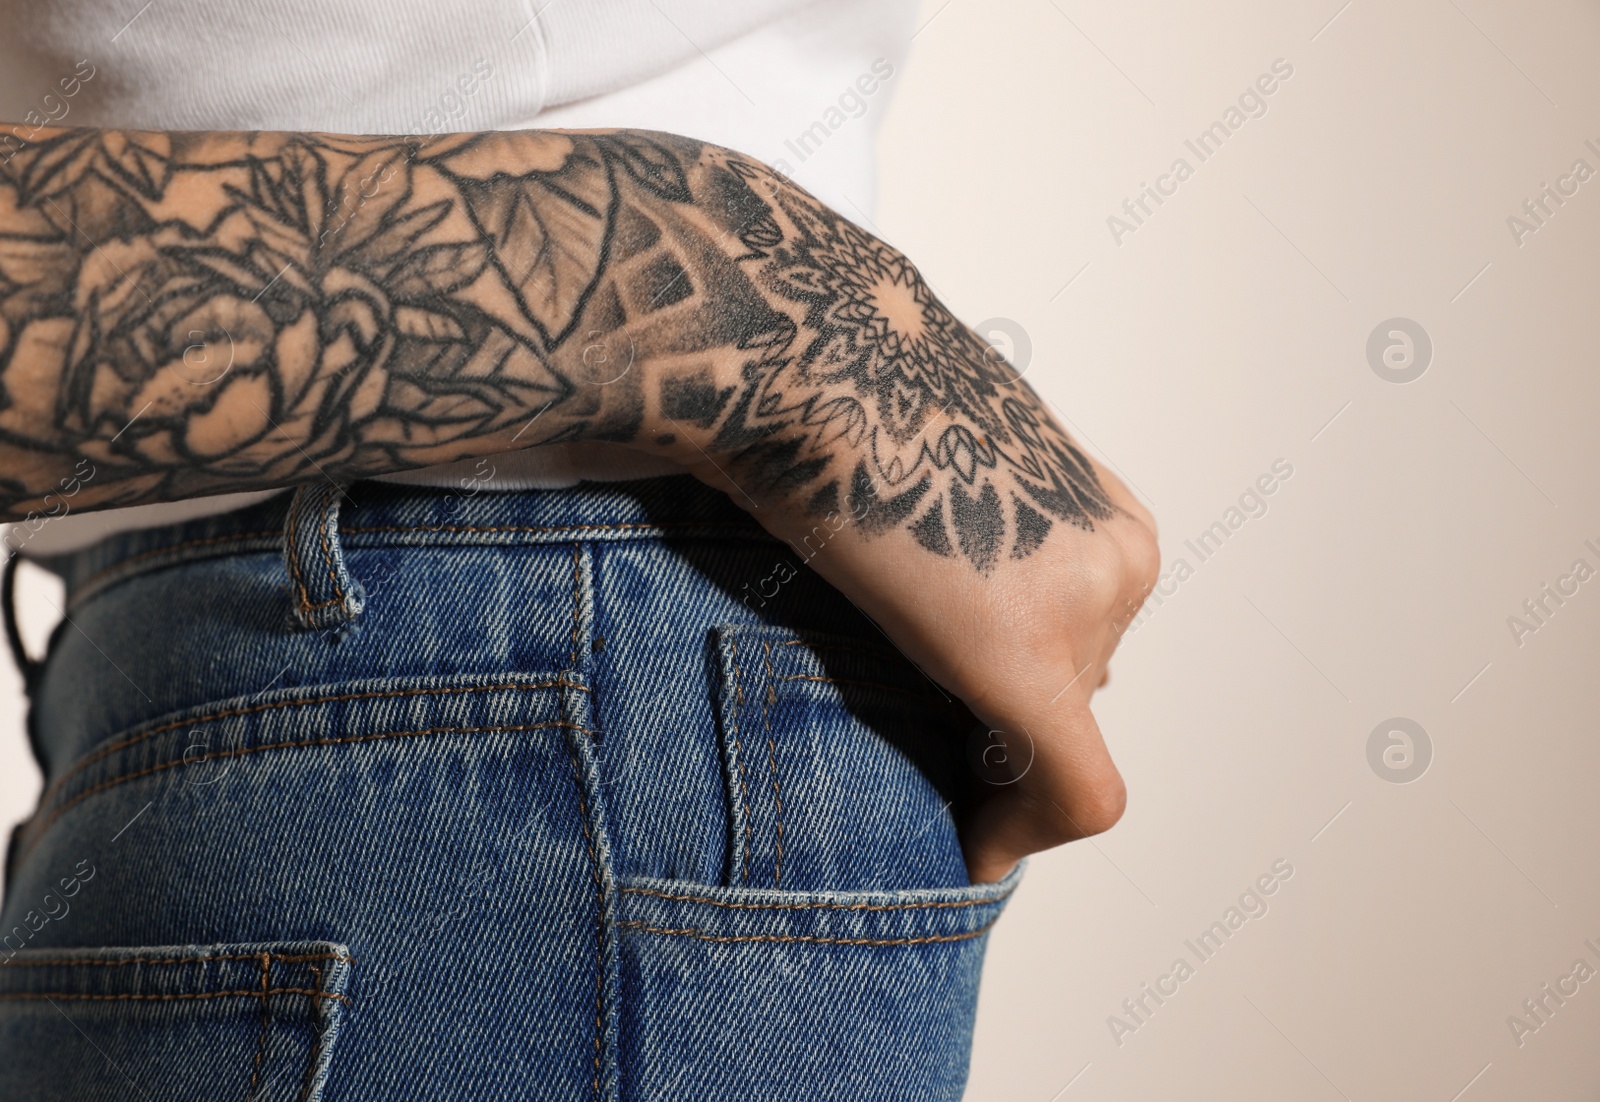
1227, 331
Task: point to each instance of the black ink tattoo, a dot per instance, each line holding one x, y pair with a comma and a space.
188, 314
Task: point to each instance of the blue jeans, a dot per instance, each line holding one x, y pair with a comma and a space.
391, 793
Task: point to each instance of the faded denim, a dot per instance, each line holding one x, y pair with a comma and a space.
400, 794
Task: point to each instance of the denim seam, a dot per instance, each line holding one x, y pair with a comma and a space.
240, 537
940, 904
582, 606
772, 763
291, 542
251, 993
266, 1027
69, 962
309, 1079
585, 774
35, 833
738, 750
706, 935
532, 529
91, 584
599, 910
577, 586
234, 713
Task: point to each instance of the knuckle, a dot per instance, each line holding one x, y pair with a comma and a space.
1100, 806
1143, 558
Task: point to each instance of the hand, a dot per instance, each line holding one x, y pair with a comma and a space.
919, 475
1024, 644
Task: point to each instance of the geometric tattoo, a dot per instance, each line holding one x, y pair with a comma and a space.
194, 313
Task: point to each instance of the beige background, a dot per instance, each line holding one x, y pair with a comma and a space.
1229, 331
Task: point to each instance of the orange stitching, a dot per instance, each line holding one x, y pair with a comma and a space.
819, 906
375, 529
704, 935
266, 1027
243, 537
305, 744
295, 573
298, 703
250, 994
738, 751
321, 604
600, 914
772, 761
70, 963
290, 535
328, 519
742, 525
316, 1045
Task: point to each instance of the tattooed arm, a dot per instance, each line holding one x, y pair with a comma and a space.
185, 314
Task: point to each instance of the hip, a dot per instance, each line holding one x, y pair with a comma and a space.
601, 784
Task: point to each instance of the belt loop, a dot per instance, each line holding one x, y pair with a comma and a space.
325, 595
29, 667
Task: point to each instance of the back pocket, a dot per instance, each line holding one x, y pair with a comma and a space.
843, 765
254, 1022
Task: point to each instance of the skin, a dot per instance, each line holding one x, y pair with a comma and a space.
188, 314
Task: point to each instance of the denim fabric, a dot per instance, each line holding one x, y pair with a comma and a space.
393, 793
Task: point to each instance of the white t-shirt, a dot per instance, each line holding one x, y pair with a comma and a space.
780, 80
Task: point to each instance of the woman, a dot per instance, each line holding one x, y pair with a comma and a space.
516, 751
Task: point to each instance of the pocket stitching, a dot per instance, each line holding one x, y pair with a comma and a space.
266, 1026
932, 904
294, 702
705, 935
74, 962
35, 832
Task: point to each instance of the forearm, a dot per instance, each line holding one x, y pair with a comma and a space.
183, 314
186, 314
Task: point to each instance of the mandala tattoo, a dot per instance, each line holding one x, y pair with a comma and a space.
185, 314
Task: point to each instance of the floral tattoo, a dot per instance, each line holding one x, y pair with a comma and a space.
184, 314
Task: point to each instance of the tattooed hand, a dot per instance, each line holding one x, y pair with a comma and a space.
923, 478
184, 314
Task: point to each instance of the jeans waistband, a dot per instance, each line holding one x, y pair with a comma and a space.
312, 526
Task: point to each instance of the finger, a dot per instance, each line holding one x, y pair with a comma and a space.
1068, 788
